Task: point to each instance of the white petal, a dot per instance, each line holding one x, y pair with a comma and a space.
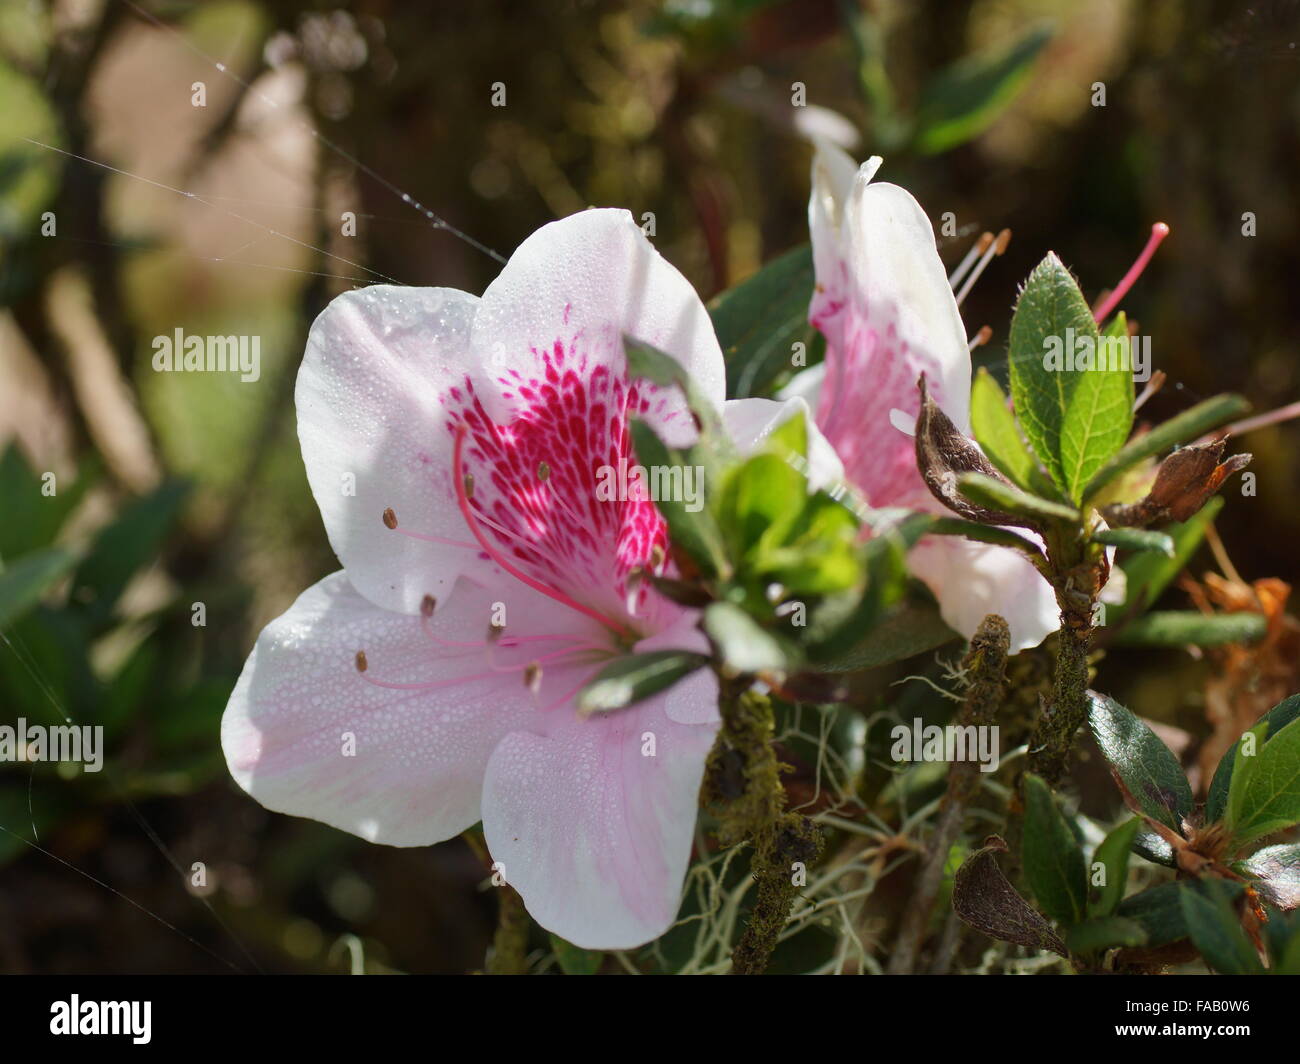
750, 421
569, 294
593, 833
971, 580
372, 427
417, 770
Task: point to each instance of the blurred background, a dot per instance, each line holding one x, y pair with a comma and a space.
170, 165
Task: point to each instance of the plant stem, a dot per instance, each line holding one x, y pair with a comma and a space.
509, 954
743, 782
985, 666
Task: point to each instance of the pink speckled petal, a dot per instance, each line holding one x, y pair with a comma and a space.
416, 777
884, 305
594, 833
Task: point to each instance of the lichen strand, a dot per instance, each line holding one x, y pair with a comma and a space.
742, 785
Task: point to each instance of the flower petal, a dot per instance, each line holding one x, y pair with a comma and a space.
415, 776
888, 314
594, 833
371, 425
971, 580
569, 294
750, 421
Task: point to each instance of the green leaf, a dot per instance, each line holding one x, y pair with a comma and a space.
1270, 796
908, 629
1112, 857
1158, 911
1245, 763
1075, 418
1215, 929
1142, 762
574, 960
995, 534
743, 645
131, 542
1137, 539
1277, 718
1054, 865
963, 100
1103, 933
648, 362
693, 532
1181, 628
1276, 872
1188, 425
995, 495
996, 431
26, 580
759, 321
1149, 574
32, 519
633, 677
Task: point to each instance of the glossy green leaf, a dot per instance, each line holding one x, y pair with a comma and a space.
1276, 874
962, 101
1075, 418
1105, 932
759, 321
631, 678
995, 430
995, 495
1269, 799
1141, 539
1108, 874
1142, 762
1277, 718
743, 645
1053, 861
1182, 628
1215, 929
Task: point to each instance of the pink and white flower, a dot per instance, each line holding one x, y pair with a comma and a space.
453, 446
885, 307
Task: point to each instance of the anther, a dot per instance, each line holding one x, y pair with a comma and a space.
427, 605
362, 664
533, 677
469, 485
976, 250
980, 338
543, 472
390, 518
996, 247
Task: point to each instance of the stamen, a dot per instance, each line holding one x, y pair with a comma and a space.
995, 249
390, 522
361, 661
533, 677
463, 481
980, 338
976, 250
543, 472
1158, 232
427, 605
